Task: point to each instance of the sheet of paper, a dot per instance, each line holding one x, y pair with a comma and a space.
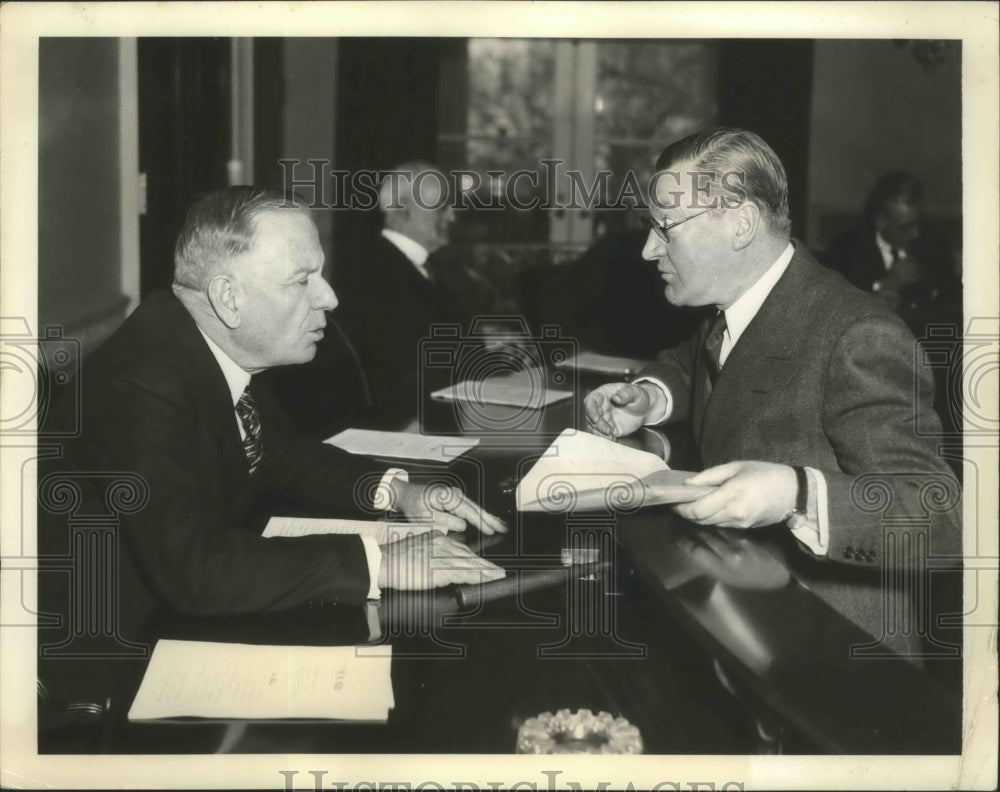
525, 389
402, 445
233, 681
604, 364
581, 471
379, 530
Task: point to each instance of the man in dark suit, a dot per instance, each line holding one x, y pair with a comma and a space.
801, 391
392, 296
170, 406
891, 255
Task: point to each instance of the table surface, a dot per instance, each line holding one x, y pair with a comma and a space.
639, 637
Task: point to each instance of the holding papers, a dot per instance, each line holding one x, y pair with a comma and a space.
582, 471
233, 681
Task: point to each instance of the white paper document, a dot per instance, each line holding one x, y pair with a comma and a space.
604, 364
402, 445
234, 681
382, 532
527, 388
581, 471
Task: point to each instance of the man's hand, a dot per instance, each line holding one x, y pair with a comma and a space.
749, 495
432, 560
619, 408
445, 507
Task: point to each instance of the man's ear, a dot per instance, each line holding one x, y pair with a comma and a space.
223, 297
746, 224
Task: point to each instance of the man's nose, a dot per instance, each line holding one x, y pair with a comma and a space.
326, 298
655, 248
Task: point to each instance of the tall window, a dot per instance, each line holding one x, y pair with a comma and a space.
603, 108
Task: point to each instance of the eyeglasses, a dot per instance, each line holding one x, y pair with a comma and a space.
663, 231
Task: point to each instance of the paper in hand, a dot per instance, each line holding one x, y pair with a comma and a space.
581, 471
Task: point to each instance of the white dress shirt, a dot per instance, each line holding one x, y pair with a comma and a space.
815, 532
885, 249
414, 251
237, 379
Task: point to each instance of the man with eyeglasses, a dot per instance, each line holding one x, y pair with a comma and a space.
801, 390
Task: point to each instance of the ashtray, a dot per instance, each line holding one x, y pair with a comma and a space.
580, 732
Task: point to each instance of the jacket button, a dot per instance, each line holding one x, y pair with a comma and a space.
848, 553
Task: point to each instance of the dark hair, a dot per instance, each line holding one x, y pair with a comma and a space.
725, 150
220, 226
893, 187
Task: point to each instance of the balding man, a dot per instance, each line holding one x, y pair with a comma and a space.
392, 299
170, 403
801, 390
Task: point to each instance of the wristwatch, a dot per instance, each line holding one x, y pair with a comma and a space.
800, 514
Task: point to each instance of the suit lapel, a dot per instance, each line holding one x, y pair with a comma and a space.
208, 380
762, 362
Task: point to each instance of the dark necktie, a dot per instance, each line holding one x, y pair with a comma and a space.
246, 409
713, 345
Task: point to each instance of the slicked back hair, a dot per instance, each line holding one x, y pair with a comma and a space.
221, 225
751, 163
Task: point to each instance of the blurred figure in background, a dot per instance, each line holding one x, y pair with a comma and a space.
892, 255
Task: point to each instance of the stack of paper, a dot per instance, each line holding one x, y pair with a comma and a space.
402, 445
382, 532
235, 681
525, 389
582, 471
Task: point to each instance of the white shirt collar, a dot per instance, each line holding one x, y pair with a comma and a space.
885, 249
236, 378
414, 251
741, 313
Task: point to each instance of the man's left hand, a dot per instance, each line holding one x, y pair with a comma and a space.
748, 495
446, 507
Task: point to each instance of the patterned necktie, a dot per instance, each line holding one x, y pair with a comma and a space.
713, 346
246, 409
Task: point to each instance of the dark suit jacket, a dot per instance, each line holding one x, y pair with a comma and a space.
824, 376
156, 410
386, 308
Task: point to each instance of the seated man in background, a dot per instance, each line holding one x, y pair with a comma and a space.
392, 297
801, 391
890, 254
171, 403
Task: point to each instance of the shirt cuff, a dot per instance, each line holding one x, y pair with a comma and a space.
669, 401
383, 499
373, 553
814, 531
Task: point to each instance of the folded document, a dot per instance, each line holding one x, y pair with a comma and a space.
581, 471
402, 445
226, 681
382, 532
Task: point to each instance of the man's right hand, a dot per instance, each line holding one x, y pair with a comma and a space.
432, 560
620, 408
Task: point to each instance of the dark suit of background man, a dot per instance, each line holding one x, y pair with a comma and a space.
391, 297
799, 369
171, 399
891, 255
